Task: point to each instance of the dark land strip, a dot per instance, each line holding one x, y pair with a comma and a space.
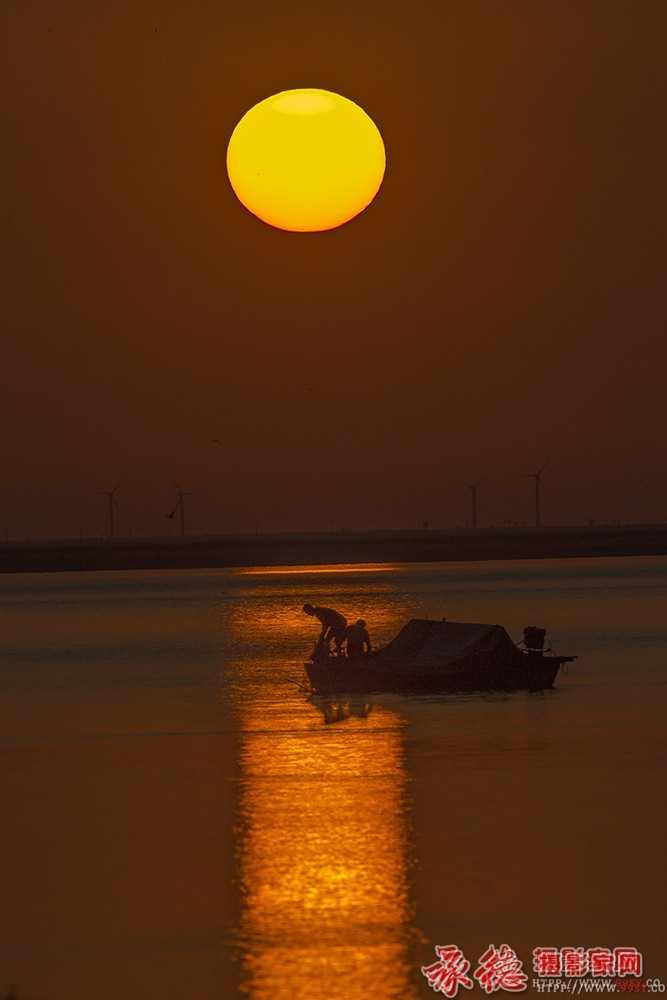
332, 548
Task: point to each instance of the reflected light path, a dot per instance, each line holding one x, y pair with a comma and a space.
317, 570
323, 856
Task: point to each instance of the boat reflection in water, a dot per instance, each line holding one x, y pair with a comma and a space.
323, 853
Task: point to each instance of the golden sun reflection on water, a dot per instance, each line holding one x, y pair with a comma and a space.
323, 858
272, 609
316, 570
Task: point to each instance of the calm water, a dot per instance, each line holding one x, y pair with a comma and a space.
181, 820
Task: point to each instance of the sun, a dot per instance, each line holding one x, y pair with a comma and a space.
306, 160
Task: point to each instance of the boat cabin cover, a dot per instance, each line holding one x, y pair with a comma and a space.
423, 644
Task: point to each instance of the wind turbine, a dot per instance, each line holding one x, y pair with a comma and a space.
113, 503
537, 476
473, 489
180, 505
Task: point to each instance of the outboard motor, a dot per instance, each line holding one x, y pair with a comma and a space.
533, 638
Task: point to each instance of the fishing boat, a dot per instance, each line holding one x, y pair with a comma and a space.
433, 657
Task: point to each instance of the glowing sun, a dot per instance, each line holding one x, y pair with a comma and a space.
306, 160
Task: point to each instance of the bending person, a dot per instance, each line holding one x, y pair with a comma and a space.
333, 628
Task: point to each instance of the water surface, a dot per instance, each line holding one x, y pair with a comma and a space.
181, 819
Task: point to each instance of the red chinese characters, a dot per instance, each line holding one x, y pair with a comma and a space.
628, 962
602, 961
500, 969
447, 974
575, 961
547, 961
581, 962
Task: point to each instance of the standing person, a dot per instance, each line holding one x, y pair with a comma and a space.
333, 627
358, 641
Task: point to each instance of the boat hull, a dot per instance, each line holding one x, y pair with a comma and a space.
526, 672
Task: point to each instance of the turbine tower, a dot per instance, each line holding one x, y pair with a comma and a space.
180, 504
473, 490
537, 476
113, 503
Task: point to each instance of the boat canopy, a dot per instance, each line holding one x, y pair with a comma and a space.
423, 644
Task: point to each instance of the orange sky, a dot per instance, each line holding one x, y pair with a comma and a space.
502, 297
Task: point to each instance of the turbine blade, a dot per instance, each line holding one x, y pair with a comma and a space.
551, 455
172, 479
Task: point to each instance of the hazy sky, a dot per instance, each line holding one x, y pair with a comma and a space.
503, 296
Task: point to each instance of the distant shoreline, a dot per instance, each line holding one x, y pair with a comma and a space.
333, 548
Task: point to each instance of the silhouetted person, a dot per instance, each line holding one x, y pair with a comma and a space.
333, 627
358, 641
